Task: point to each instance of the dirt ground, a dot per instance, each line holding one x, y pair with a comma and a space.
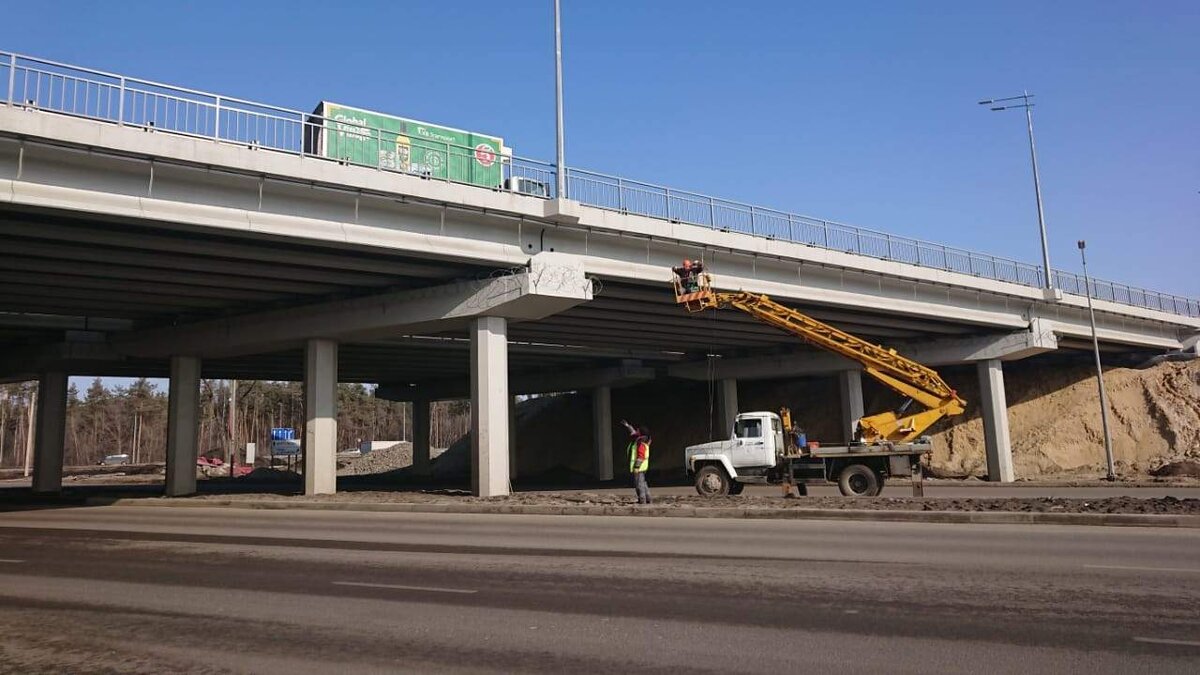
1163, 505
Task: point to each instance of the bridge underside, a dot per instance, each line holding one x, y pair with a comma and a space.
79, 294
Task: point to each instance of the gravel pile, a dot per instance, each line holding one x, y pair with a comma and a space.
379, 460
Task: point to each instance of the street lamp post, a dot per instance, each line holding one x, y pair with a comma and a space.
1048, 282
560, 168
1087, 283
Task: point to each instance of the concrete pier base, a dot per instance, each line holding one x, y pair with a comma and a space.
490, 402
727, 406
602, 432
851, 397
183, 426
50, 433
420, 418
320, 409
994, 406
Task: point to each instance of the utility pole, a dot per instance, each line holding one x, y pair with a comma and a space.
560, 166
1087, 282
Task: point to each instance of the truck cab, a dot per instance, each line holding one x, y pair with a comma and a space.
755, 444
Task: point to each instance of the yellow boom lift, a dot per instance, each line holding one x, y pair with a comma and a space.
693, 290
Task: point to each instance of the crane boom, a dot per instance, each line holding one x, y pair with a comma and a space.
911, 379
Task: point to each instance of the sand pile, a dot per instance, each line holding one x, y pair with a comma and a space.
1054, 420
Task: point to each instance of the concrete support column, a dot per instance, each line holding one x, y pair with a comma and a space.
420, 415
727, 406
851, 395
183, 426
320, 409
50, 433
512, 437
489, 406
994, 405
602, 432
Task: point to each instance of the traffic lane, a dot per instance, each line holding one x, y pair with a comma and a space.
184, 629
1021, 547
864, 599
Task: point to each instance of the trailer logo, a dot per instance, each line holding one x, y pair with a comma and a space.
485, 154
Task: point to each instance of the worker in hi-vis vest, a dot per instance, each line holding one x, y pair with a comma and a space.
639, 460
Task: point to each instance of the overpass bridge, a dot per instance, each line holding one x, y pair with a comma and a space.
153, 230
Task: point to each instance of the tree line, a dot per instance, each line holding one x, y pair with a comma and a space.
132, 419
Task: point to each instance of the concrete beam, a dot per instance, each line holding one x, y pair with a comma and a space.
550, 283
602, 428
994, 406
183, 426
947, 351
851, 396
489, 407
320, 410
50, 433
626, 374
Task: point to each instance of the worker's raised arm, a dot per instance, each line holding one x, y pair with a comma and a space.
632, 429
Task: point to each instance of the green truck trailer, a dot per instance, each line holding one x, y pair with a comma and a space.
358, 136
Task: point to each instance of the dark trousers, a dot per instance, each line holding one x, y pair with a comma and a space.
640, 487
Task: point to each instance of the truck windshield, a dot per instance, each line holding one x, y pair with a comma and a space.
750, 427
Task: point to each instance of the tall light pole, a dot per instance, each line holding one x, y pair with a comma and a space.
560, 167
1087, 282
1048, 282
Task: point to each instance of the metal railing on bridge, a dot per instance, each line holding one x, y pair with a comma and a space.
47, 85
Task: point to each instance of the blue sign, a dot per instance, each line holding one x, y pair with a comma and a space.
282, 434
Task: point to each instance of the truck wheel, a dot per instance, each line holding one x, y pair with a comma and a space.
858, 480
735, 488
711, 481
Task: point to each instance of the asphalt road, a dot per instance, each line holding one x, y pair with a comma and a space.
151, 590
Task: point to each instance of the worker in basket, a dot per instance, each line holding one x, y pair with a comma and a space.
639, 460
689, 275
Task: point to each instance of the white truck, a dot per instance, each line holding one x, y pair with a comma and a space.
758, 453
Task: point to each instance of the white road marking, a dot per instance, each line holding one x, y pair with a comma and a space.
1168, 641
400, 587
1143, 569
14, 562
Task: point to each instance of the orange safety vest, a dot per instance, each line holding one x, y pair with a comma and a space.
639, 455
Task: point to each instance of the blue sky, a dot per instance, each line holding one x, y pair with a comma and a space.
851, 111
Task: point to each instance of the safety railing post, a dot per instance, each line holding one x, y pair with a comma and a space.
12, 77
752, 220
621, 195
217, 119
825, 228
447, 162
888, 239
712, 213
791, 229
121, 103
667, 195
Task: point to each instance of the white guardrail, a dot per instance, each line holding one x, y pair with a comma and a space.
47, 85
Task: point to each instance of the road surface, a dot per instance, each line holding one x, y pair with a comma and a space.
149, 590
